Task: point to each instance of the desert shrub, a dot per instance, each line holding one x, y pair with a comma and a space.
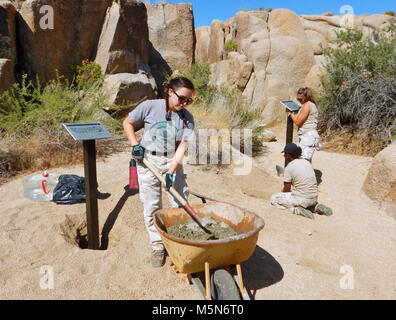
28, 106
390, 13
31, 118
222, 108
359, 87
230, 46
88, 74
199, 74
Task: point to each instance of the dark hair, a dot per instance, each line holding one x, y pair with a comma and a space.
174, 84
307, 93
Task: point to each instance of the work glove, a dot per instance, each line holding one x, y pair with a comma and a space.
138, 153
168, 181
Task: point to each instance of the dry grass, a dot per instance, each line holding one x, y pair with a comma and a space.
350, 141
23, 155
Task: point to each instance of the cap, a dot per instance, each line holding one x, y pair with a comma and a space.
293, 150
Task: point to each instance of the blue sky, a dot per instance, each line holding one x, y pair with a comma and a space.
207, 10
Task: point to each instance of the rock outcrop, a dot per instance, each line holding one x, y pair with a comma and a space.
6, 74
380, 184
202, 35
290, 60
57, 35
172, 37
129, 89
216, 42
7, 31
234, 72
313, 79
277, 52
286, 51
46, 38
251, 33
124, 41
8, 53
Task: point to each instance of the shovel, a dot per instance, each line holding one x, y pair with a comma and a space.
279, 170
179, 198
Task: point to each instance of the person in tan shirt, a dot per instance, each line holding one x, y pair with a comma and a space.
300, 188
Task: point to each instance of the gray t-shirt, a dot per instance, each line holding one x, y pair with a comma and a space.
302, 176
161, 135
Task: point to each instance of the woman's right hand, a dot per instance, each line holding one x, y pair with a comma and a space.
138, 153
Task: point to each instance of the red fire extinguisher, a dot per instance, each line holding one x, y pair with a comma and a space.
133, 176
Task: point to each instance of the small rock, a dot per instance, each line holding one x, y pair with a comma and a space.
267, 136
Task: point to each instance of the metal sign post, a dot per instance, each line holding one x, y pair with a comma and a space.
292, 107
289, 134
87, 133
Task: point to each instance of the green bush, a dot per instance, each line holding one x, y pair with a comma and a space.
359, 88
88, 74
389, 13
199, 74
230, 46
28, 106
31, 115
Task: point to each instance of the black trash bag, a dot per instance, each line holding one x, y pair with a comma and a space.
69, 190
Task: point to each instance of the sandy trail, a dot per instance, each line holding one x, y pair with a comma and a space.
295, 258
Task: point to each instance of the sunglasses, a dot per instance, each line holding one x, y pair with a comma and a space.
183, 99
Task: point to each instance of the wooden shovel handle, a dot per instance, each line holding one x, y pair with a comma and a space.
174, 193
162, 180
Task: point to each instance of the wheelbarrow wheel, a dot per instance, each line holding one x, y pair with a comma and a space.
223, 286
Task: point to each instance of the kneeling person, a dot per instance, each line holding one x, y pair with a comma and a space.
300, 190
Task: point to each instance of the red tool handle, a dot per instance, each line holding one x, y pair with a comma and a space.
174, 193
44, 188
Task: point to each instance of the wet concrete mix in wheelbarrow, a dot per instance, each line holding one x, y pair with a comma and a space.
192, 231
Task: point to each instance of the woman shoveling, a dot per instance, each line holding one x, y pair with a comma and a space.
168, 127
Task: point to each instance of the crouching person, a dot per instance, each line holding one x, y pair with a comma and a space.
300, 190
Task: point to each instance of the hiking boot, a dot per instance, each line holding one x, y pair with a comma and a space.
323, 210
304, 212
158, 258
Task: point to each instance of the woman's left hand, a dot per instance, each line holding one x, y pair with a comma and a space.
168, 181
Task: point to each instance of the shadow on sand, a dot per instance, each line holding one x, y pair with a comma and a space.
318, 175
260, 271
112, 218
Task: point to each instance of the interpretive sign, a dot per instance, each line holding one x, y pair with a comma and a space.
291, 105
87, 131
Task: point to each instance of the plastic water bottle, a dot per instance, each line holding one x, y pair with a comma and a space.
40, 187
